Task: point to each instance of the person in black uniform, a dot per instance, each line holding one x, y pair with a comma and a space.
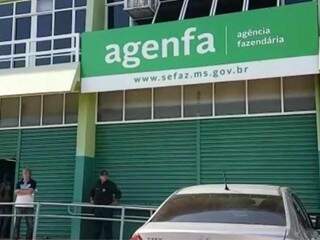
105, 192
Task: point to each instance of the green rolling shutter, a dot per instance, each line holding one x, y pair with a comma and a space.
148, 160
151, 160
8, 144
278, 150
50, 154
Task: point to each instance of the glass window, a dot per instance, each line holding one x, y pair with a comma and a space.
4, 64
230, 98
43, 60
168, 11
5, 50
299, 93
60, 4
30, 111
138, 104
117, 17
52, 109
23, 7
198, 8
44, 25
295, 1
5, 29
71, 108
256, 4
23, 28
19, 63
63, 22
142, 21
80, 3
44, 5
43, 46
198, 100
167, 102
6, 9
65, 58
264, 95
302, 214
9, 112
110, 106
20, 48
224, 6
80, 21
62, 43
223, 208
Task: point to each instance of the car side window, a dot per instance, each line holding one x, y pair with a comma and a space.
303, 217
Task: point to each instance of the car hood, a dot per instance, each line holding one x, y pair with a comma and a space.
209, 231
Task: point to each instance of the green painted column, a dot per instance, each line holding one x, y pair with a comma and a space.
86, 135
84, 160
86, 132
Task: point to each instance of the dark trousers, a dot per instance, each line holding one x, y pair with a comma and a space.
29, 222
4, 222
103, 228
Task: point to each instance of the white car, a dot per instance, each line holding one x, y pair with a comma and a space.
234, 212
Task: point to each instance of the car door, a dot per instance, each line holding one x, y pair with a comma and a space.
306, 228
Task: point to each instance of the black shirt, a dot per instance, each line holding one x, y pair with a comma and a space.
105, 193
31, 184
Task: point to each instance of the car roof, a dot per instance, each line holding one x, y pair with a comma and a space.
233, 189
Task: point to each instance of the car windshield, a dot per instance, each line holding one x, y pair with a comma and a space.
223, 208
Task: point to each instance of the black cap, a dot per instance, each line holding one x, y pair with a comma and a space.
104, 173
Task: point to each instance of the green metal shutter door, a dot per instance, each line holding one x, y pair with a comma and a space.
50, 154
278, 150
8, 144
151, 160
148, 160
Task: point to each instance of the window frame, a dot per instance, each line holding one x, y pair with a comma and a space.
21, 124
41, 125
297, 203
106, 9
245, 7
284, 99
244, 83
34, 14
180, 14
154, 103
215, 5
185, 7
63, 107
33, 39
151, 104
18, 112
213, 116
279, 3
165, 211
98, 105
278, 94
201, 104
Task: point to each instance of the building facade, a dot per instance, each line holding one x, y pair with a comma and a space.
165, 95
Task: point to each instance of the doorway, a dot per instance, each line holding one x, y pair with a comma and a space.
7, 178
